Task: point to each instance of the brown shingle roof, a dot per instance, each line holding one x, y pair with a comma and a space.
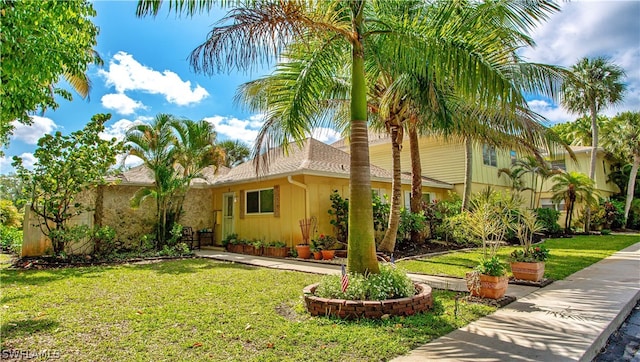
312, 157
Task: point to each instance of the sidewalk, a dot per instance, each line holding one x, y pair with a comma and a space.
569, 320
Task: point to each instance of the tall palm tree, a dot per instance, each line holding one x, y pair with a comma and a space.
623, 137
263, 29
572, 187
595, 85
235, 152
154, 144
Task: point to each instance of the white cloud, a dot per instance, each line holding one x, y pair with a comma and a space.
28, 160
591, 29
32, 133
326, 135
237, 129
121, 103
125, 74
550, 111
5, 165
119, 128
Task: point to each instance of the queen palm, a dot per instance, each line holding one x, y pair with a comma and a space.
595, 85
263, 29
572, 187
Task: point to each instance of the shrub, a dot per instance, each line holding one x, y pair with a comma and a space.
10, 239
390, 283
456, 228
410, 222
491, 266
549, 220
340, 213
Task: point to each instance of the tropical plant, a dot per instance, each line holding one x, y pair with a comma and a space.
29, 68
595, 85
622, 137
235, 152
340, 212
549, 219
66, 166
9, 214
331, 29
571, 188
525, 227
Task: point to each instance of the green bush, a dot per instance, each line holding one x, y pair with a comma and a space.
492, 266
390, 283
10, 239
410, 222
549, 219
456, 228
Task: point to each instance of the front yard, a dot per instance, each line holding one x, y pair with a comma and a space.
197, 309
567, 256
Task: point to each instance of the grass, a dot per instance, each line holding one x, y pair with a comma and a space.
567, 256
198, 309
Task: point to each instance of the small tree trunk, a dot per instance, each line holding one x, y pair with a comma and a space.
388, 243
468, 172
631, 187
594, 157
416, 175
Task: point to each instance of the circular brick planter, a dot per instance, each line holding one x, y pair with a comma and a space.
351, 309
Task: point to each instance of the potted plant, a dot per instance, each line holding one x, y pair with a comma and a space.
316, 250
489, 221
326, 244
277, 249
528, 262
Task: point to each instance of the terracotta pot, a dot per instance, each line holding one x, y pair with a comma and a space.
304, 251
317, 255
328, 254
528, 271
490, 287
276, 252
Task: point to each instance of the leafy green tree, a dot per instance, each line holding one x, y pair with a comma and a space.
622, 137
11, 189
66, 166
578, 132
42, 41
175, 151
595, 85
9, 214
258, 31
572, 187
235, 152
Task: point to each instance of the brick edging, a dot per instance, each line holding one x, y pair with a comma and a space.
351, 309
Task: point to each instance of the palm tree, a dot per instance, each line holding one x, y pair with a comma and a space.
154, 145
235, 152
622, 136
595, 85
328, 29
572, 187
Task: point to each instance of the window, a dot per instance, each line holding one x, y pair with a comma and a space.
513, 156
382, 194
559, 164
260, 201
549, 204
428, 197
489, 156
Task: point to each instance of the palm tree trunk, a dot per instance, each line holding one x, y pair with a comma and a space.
631, 186
361, 255
468, 172
416, 175
388, 243
594, 157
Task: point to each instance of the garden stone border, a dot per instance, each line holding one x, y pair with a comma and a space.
352, 309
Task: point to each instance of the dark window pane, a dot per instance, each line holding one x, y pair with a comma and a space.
252, 202
266, 200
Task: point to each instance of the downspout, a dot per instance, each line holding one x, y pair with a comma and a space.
306, 194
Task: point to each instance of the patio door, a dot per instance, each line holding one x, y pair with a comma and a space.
228, 211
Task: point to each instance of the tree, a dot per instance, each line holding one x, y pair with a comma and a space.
329, 29
578, 132
572, 187
595, 85
42, 41
622, 137
236, 152
66, 166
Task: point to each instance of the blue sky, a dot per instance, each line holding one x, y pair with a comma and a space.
146, 71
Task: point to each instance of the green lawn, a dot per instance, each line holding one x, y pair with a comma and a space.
197, 309
567, 256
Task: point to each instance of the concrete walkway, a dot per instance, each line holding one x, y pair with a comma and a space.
569, 320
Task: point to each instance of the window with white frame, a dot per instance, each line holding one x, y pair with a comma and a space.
550, 204
489, 157
514, 157
559, 164
382, 194
428, 197
259, 201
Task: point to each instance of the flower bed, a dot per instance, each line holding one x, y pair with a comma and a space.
352, 309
